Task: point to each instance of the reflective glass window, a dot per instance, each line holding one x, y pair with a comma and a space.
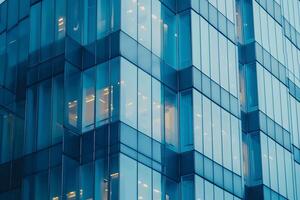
129, 17
35, 34
217, 137
196, 46
128, 171
214, 54
198, 117
156, 27
58, 106
144, 23
157, 110
44, 114
207, 132
157, 186
144, 102
171, 125
170, 36
128, 93
88, 101
226, 138
144, 182
205, 45
102, 94
73, 96
186, 126
103, 18
47, 34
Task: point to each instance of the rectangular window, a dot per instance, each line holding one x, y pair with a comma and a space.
198, 117
170, 36
74, 24
89, 22
186, 121
102, 94
12, 59
86, 175
2, 57
101, 182
205, 45
12, 13
196, 50
207, 132
157, 186
156, 27
171, 123
128, 171
236, 152
144, 23
144, 103
209, 190
31, 120
57, 107
226, 138
103, 18
60, 19
144, 182
185, 42
129, 17
157, 110
273, 164
47, 34
217, 136
72, 97
44, 115
214, 54
35, 34
88, 100
224, 82
128, 96
232, 64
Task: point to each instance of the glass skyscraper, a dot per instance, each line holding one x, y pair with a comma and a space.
149, 99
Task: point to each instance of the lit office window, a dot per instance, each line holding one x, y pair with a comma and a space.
73, 96
102, 94
88, 99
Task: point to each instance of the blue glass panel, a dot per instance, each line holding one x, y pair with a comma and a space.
44, 115
128, 171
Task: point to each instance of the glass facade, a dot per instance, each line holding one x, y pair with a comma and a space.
149, 99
